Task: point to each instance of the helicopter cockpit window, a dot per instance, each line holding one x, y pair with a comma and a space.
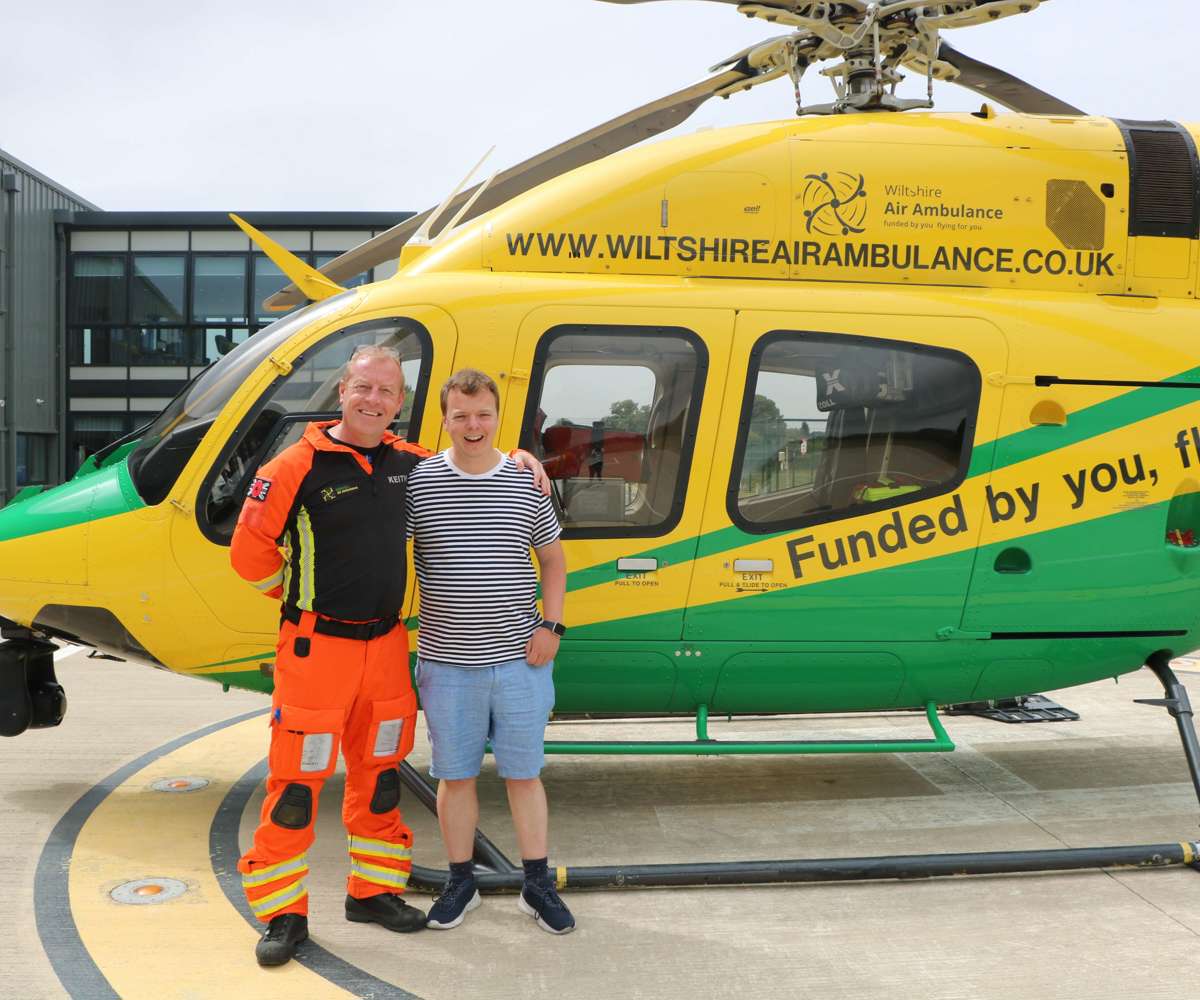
309, 392
834, 426
612, 414
171, 439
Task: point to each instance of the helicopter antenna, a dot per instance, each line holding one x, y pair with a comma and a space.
422, 234
466, 206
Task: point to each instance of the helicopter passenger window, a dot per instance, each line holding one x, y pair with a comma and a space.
612, 414
309, 392
833, 426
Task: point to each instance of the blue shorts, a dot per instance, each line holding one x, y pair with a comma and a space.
507, 703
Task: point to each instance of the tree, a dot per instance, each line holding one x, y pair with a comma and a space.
626, 415
767, 427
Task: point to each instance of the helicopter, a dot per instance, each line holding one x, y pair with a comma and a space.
868, 409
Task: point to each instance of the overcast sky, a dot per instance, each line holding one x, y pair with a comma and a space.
383, 104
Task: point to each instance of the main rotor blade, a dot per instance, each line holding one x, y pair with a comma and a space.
788, 5
611, 137
782, 4
1002, 87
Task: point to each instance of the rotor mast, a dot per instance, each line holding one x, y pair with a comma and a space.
869, 42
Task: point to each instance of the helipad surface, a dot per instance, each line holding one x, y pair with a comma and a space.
150, 783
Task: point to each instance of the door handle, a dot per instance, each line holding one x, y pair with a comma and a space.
754, 565
630, 564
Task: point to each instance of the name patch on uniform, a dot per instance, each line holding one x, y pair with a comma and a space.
259, 490
397, 479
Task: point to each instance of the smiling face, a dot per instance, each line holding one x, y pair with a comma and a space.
371, 394
471, 423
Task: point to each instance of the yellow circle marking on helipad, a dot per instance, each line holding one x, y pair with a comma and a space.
197, 945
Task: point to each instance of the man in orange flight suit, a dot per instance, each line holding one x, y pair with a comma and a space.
334, 504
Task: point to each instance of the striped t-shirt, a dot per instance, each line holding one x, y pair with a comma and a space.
471, 540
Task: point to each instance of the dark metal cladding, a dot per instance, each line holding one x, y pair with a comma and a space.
31, 246
1164, 179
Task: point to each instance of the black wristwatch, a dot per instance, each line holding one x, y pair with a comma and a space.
558, 628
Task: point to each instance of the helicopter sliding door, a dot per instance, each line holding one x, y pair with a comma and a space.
622, 409
847, 527
275, 418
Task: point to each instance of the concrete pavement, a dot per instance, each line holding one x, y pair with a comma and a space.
1116, 776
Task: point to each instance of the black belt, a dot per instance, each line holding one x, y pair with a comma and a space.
343, 630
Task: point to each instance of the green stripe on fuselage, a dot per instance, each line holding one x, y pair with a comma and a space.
1111, 573
246, 680
104, 493
1101, 418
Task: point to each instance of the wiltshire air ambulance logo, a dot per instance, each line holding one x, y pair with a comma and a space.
834, 204
330, 493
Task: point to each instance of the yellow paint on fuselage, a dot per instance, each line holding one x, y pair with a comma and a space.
486, 306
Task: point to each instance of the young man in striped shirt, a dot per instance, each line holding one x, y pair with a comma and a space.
485, 654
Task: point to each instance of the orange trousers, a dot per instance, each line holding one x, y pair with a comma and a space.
347, 692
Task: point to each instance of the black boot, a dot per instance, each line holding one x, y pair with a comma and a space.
278, 943
387, 909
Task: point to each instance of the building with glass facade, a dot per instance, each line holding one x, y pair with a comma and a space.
106, 316
32, 250
152, 298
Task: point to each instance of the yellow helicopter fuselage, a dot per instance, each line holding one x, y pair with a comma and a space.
848, 413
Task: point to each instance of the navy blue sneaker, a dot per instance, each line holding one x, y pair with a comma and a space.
458, 898
540, 900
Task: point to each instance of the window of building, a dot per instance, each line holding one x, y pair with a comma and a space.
157, 290
268, 280
98, 288
219, 288
612, 414
151, 345
322, 259
219, 341
33, 458
87, 433
97, 346
835, 426
309, 392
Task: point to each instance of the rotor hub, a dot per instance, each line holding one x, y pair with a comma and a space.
867, 44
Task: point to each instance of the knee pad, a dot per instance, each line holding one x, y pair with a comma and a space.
387, 791
293, 811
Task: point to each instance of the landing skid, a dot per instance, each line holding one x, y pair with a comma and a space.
497, 873
1176, 702
1026, 708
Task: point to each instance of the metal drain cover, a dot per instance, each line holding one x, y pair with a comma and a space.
148, 891
180, 784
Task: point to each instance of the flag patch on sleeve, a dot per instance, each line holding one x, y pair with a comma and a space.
259, 489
